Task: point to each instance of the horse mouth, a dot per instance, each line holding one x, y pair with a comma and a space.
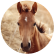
25, 49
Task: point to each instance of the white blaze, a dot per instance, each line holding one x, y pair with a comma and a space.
26, 19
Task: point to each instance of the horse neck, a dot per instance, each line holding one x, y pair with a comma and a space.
41, 40
35, 45
36, 38
38, 41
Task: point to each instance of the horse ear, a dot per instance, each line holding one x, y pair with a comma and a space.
34, 8
19, 7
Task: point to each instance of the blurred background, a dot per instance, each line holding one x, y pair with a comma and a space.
10, 29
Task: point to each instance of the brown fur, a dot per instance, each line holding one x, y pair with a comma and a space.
29, 32
39, 41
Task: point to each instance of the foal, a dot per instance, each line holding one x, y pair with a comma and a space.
33, 37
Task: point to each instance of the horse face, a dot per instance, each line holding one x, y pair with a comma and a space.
26, 26
26, 29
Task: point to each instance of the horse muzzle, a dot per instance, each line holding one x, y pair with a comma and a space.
25, 48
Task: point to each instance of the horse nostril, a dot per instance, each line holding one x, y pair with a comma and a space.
21, 45
26, 46
29, 45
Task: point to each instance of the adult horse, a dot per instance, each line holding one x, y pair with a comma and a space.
33, 36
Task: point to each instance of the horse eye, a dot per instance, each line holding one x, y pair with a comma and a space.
18, 23
34, 24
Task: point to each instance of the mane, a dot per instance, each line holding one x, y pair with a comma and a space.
25, 8
41, 28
